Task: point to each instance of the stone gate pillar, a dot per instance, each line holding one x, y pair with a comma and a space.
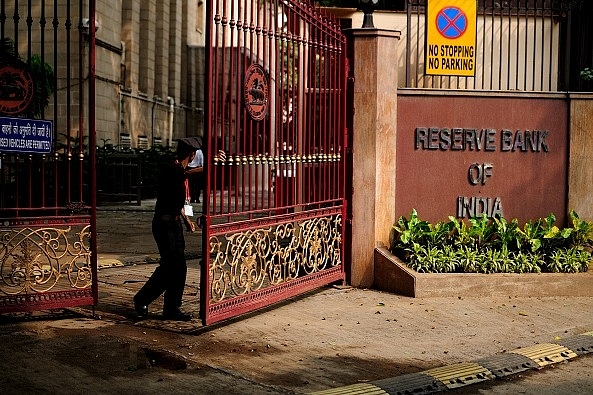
374, 65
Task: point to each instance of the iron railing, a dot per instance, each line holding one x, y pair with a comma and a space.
47, 202
520, 46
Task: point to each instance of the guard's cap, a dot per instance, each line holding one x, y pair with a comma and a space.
187, 146
192, 142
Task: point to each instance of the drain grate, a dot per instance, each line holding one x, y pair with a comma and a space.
502, 365
461, 374
546, 353
413, 383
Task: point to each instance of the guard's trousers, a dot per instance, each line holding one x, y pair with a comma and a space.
169, 277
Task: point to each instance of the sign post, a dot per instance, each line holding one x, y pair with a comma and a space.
451, 38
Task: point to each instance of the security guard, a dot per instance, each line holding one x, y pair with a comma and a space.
170, 211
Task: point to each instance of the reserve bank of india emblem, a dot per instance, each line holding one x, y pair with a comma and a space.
16, 87
255, 92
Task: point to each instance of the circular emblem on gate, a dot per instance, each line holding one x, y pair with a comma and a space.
16, 87
255, 92
451, 22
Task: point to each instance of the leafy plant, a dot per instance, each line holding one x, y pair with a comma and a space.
410, 231
587, 74
496, 245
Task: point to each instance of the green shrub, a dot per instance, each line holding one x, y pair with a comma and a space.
483, 245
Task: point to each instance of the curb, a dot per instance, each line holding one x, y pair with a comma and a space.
466, 373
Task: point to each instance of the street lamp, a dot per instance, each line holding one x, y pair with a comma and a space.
367, 6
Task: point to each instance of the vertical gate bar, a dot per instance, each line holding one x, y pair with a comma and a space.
318, 106
220, 97
17, 184
312, 111
500, 41
310, 105
251, 126
302, 110
270, 135
42, 23
2, 178
526, 44
253, 170
56, 157
232, 102
267, 128
29, 159
212, 129
533, 79
81, 104
235, 135
290, 107
290, 135
29, 21
491, 43
240, 119
68, 152
543, 47
320, 112
254, 128
277, 128
310, 93
92, 150
209, 165
331, 114
325, 101
553, 11
510, 25
44, 157
408, 43
15, 19
418, 71
518, 42
483, 52
223, 100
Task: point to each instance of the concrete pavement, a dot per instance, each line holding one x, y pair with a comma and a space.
341, 340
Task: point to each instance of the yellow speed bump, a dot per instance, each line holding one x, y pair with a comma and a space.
546, 353
461, 374
354, 389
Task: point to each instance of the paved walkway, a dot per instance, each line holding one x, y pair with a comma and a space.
345, 340
336, 340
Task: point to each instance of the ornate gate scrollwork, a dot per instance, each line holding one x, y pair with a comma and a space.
34, 261
251, 260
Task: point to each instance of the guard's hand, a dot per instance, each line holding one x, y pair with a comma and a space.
190, 226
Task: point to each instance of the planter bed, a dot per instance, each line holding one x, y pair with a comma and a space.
393, 275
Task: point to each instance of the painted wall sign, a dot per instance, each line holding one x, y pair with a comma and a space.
465, 156
255, 92
16, 87
26, 135
450, 38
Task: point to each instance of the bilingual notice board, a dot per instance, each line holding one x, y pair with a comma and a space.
21, 135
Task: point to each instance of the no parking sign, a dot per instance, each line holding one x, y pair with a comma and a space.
451, 38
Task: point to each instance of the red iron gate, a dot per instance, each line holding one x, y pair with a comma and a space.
275, 127
47, 178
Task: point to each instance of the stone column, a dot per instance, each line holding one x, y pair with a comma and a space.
580, 177
373, 146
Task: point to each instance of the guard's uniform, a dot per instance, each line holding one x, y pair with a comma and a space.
167, 229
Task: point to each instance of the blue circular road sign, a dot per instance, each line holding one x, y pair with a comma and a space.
451, 22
